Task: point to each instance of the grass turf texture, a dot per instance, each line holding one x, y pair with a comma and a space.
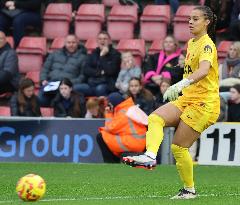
92, 184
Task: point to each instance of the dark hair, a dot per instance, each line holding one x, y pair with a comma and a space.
237, 87
145, 93
105, 33
26, 83
208, 14
66, 81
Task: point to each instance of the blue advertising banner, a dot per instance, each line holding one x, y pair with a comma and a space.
50, 141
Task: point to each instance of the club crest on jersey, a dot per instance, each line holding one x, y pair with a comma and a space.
207, 49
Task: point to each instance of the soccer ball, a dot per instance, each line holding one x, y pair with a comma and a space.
31, 187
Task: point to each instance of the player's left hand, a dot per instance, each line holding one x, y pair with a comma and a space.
173, 91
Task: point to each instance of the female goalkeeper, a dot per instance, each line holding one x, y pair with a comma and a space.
195, 110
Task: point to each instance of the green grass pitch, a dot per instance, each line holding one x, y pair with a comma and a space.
118, 184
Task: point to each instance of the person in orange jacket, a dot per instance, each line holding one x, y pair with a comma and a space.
120, 133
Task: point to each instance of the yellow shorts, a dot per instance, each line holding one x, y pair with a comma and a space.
198, 116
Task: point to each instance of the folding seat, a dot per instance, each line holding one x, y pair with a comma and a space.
121, 22
223, 49
35, 76
56, 20
31, 52
56, 44
10, 40
89, 20
5, 111
91, 44
154, 22
136, 46
110, 3
180, 23
47, 111
156, 46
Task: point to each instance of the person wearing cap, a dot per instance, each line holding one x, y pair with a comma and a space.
120, 133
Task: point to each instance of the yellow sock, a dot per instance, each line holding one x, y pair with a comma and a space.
154, 135
184, 165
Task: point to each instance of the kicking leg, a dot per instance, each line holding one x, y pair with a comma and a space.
166, 115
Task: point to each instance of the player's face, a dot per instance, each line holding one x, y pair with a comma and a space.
234, 95
28, 92
233, 52
134, 87
65, 91
198, 23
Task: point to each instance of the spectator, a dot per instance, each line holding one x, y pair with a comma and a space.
67, 62
9, 75
68, 103
95, 107
158, 65
222, 9
128, 70
102, 68
234, 104
173, 3
120, 133
235, 21
164, 85
133, 2
231, 67
177, 71
25, 102
19, 14
141, 96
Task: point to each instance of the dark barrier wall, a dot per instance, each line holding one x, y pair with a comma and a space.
50, 141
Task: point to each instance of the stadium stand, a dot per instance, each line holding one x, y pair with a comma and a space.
91, 44
121, 22
31, 52
110, 3
89, 20
155, 47
222, 49
5, 111
136, 46
154, 22
56, 44
180, 23
35, 76
56, 20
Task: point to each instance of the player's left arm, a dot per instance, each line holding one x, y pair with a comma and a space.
205, 63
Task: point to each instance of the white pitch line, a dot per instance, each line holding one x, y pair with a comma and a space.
120, 197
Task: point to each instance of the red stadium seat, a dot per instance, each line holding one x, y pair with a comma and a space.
91, 44
202, 2
10, 40
89, 20
56, 20
181, 27
136, 46
121, 21
156, 47
35, 76
47, 111
110, 3
31, 52
154, 22
56, 44
223, 49
5, 111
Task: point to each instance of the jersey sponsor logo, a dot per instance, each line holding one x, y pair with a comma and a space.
187, 69
207, 49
